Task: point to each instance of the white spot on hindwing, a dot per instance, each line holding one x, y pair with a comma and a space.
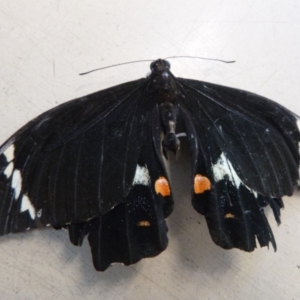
27, 205
223, 169
141, 176
9, 153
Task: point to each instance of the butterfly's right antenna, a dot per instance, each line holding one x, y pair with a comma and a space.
206, 58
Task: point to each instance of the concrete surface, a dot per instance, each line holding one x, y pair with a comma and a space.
44, 45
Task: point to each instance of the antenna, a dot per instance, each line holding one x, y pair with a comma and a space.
121, 64
205, 58
144, 60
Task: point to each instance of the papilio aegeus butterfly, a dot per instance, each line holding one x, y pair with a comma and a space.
94, 165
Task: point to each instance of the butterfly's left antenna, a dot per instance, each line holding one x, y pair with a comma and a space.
126, 63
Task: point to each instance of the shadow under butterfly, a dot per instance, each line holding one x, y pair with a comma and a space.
94, 165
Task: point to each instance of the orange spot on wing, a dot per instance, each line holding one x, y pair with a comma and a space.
201, 184
144, 224
162, 187
229, 216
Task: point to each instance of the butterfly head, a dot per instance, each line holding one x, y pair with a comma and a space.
161, 77
160, 66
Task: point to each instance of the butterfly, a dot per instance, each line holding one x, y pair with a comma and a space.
94, 165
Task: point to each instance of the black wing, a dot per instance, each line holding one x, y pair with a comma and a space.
258, 136
245, 156
136, 227
74, 162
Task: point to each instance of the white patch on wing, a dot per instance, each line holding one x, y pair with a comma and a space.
253, 192
39, 213
27, 205
9, 169
141, 176
16, 183
299, 175
223, 169
9, 153
298, 124
298, 181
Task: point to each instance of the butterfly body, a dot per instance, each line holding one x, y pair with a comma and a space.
94, 165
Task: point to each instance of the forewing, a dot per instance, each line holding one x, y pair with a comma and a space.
258, 136
75, 161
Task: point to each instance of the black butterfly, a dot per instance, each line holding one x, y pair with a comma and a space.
94, 165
